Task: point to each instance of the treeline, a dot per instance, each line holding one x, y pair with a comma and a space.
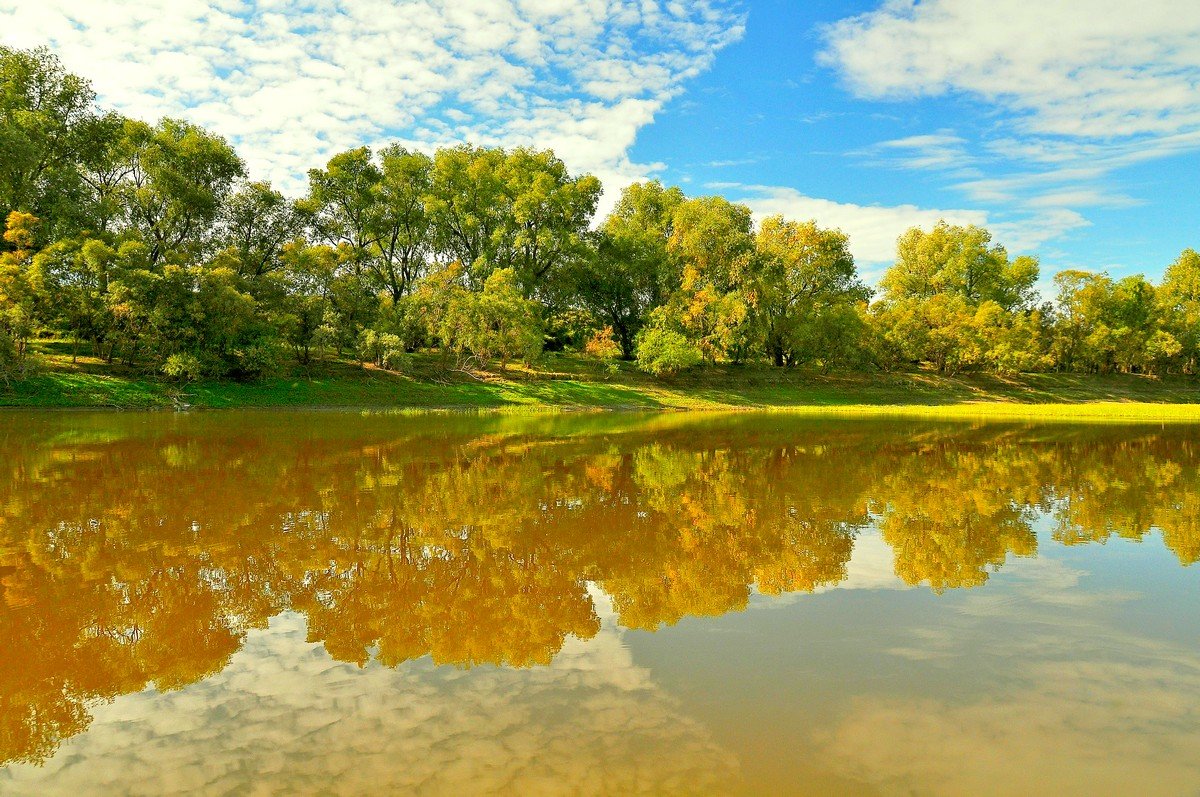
147, 245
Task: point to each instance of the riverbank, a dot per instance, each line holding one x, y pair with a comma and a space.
568, 382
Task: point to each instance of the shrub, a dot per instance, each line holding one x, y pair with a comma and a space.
183, 368
602, 345
258, 360
383, 349
663, 351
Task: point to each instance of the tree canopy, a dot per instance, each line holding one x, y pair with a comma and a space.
148, 244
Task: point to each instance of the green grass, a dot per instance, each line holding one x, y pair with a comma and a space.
569, 382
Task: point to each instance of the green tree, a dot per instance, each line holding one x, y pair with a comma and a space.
402, 228
48, 127
1179, 303
180, 180
631, 272
520, 209
960, 261
307, 315
16, 295
713, 240
951, 295
805, 291
662, 350
256, 223
497, 322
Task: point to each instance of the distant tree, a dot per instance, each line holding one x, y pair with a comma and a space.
663, 350
494, 209
951, 296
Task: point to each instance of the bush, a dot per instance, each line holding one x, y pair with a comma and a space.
183, 368
259, 360
496, 322
662, 351
383, 349
602, 345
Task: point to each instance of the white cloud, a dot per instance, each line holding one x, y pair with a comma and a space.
873, 229
1095, 68
941, 150
283, 718
1030, 232
291, 83
1086, 88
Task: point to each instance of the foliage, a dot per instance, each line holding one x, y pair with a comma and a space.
382, 349
602, 345
138, 242
495, 323
183, 368
662, 350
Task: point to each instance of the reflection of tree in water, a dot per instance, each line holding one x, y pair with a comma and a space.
1129, 488
952, 512
145, 558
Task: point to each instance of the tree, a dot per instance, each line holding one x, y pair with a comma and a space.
47, 128
551, 211
631, 271
71, 278
662, 350
403, 230
959, 261
805, 291
180, 179
1179, 304
16, 294
520, 209
256, 223
309, 272
497, 322
713, 241
950, 294
468, 205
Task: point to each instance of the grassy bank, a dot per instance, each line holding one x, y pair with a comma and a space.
573, 382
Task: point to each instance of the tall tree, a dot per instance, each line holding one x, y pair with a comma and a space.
255, 224
47, 127
403, 232
632, 271
1179, 301
805, 290
961, 261
179, 182
469, 205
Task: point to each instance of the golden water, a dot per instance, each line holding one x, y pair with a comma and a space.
293, 603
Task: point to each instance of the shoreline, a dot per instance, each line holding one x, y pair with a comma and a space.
569, 384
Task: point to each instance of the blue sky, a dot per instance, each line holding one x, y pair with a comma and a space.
1071, 128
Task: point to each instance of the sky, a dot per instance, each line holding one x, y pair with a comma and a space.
1070, 128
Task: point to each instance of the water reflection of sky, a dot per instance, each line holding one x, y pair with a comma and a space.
882, 613
283, 718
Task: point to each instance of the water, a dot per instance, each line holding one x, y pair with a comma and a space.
291, 603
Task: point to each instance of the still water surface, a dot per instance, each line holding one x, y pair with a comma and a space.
293, 603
